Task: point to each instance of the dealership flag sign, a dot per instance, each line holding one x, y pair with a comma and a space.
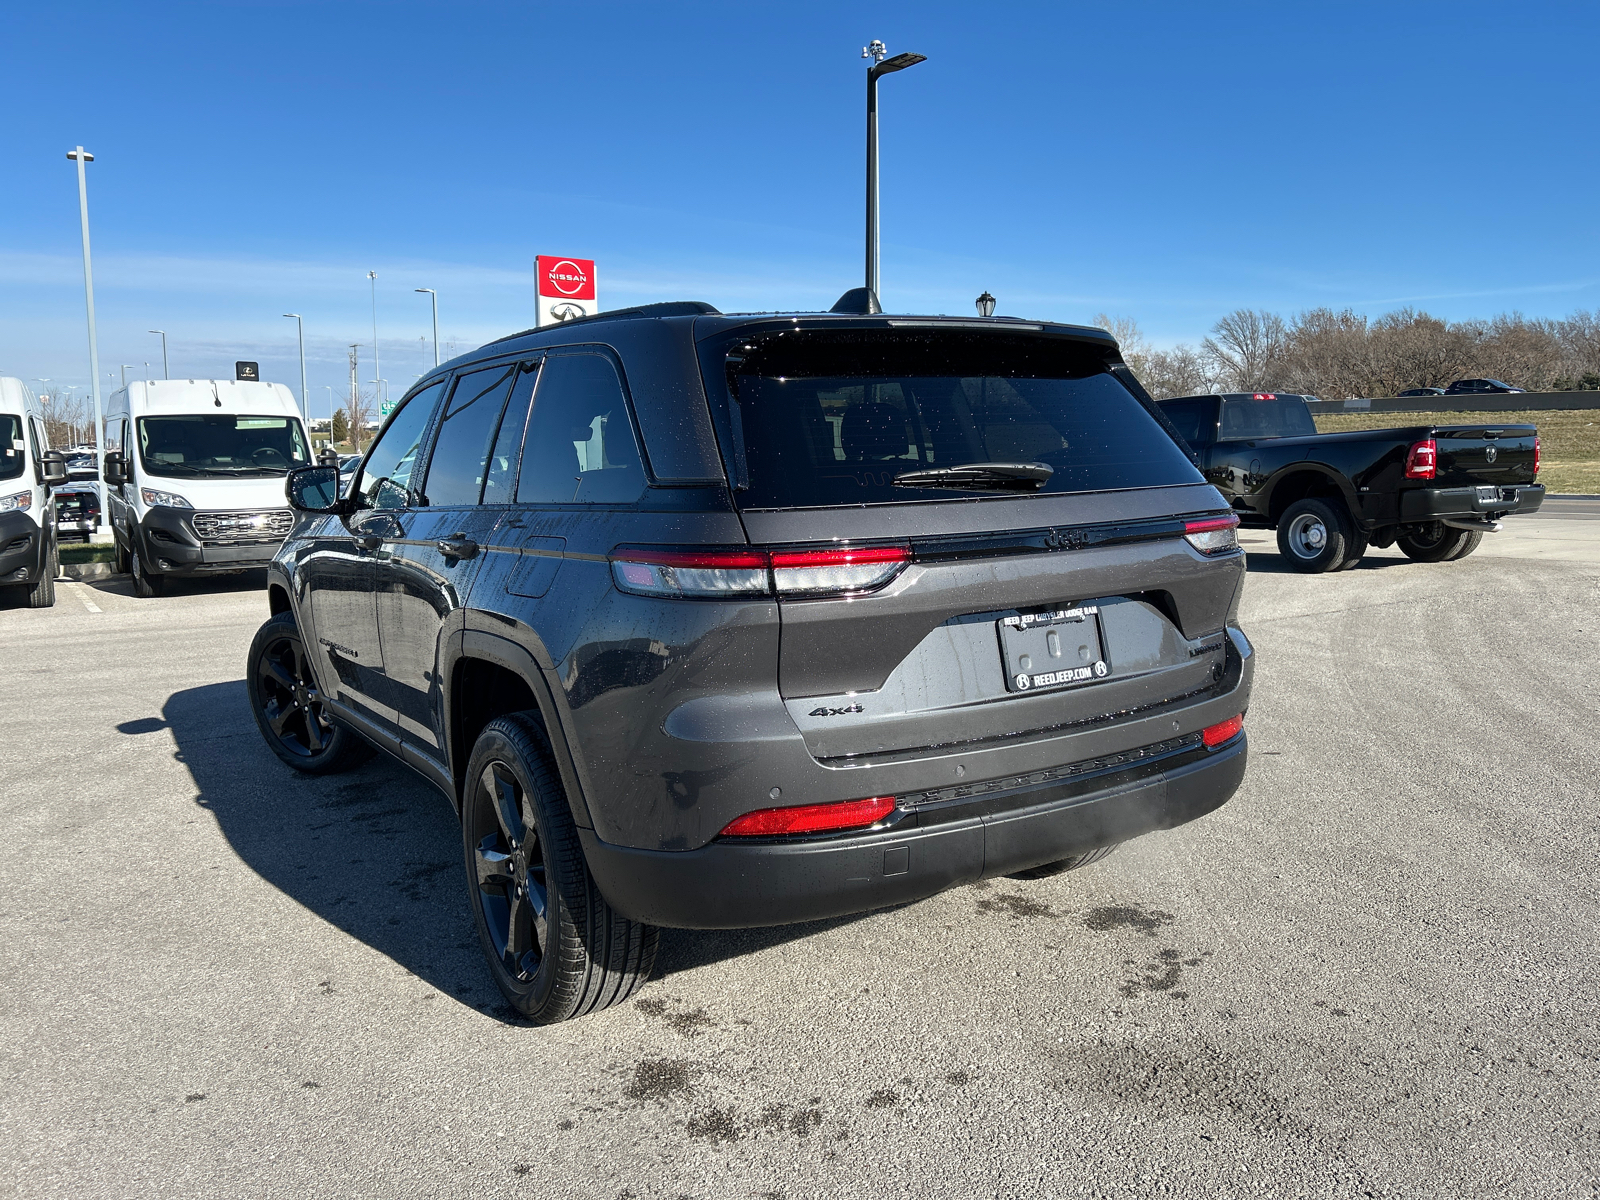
566, 289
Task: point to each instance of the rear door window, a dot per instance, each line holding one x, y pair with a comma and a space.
461, 451
833, 417
579, 446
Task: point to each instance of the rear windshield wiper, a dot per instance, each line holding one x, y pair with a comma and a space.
985, 476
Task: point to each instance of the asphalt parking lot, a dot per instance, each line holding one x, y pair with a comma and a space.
1373, 973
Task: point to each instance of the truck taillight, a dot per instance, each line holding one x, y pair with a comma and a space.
1536, 456
1212, 535
811, 818
1422, 461
711, 573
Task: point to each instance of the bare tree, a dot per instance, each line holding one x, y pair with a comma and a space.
358, 410
64, 415
1135, 350
1246, 349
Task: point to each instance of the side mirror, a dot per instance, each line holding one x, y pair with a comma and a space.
314, 490
115, 471
55, 468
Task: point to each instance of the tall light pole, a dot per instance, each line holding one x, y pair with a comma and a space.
377, 364
305, 397
435, 296
82, 156
880, 66
126, 367
165, 373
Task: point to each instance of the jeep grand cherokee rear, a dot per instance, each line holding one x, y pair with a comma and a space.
715, 621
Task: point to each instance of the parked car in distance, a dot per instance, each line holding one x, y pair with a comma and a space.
77, 511
714, 621
347, 471
1422, 391
82, 467
29, 474
1434, 490
1478, 387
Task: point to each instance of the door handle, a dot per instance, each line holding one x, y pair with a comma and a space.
457, 545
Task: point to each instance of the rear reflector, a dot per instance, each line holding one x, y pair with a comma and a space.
811, 818
1214, 735
1535, 456
1212, 535
711, 572
1422, 462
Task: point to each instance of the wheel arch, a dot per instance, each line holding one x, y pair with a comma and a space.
491, 676
1306, 480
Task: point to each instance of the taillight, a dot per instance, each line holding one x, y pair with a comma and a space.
1214, 735
1212, 535
701, 573
1535, 456
1422, 461
809, 572
811, 818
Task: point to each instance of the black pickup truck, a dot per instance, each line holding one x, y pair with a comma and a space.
1434, 490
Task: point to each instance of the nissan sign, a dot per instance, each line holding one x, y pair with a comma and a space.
566, 289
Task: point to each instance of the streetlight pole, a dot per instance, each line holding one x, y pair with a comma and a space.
876, 51
435, 296
82, 156
165, 373
305, 398
126, 367
377, 365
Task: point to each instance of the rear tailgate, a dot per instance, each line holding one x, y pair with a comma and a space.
1017, 614
1480, 455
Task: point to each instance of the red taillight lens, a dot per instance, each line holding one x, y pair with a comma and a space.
1535, 456
1214, 735
1212, 535
811, 818
1422, 462
811, 572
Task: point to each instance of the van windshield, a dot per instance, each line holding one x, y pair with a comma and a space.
225, 444
13, 451
834, 417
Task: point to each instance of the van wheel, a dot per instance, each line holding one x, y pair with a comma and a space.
1437, 542
145, 585
288, 707
1045, 870
1314, 535
43, 593
556, 949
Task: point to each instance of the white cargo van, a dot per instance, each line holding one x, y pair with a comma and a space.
28, 470
194, 475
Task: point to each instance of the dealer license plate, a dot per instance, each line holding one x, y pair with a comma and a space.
1057, 649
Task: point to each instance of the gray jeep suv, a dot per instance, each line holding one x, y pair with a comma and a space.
707, 620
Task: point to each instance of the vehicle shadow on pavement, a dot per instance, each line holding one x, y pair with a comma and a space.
198, 585
375, 852
1270, 562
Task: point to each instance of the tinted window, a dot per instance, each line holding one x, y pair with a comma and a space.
13, 452
1187, 416
461, 451
1282, 416
833, 417
501, 485
579, 445
386, 478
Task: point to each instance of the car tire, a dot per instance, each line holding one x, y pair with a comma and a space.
556, 949
1314, 535
43, 593
1469, 543
1354, 550
1045, 870
1436, 542
145, 584
288, 707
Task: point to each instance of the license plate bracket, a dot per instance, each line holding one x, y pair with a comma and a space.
1048, 651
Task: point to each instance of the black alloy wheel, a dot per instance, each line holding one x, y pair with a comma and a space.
510, 871
288, 705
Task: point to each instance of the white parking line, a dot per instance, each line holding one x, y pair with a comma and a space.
84, 594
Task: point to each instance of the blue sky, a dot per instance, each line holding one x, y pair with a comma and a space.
1168, 162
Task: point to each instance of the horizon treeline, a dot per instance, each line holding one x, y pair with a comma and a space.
1345, 355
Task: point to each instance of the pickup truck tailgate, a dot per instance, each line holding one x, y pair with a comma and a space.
1475, 455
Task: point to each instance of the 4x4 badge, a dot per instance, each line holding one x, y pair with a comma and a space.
834, 712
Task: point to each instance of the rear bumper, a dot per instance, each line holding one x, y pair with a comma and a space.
735, 884
22, 548
1430, 504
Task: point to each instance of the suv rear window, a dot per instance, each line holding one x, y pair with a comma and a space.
831, 417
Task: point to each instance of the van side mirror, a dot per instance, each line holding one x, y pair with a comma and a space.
55, 468
115, 471
314, 490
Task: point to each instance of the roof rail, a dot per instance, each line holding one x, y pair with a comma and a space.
671, 308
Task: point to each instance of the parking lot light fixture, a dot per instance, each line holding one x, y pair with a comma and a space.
435, 296
876, 51
165, 373
81, 156
986, 305
305, 397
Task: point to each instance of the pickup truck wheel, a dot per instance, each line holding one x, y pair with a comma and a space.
1045, 870
288, 707
145, 585
1436, 542
1354, 550
1470, 543
556, 949
1313, 536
